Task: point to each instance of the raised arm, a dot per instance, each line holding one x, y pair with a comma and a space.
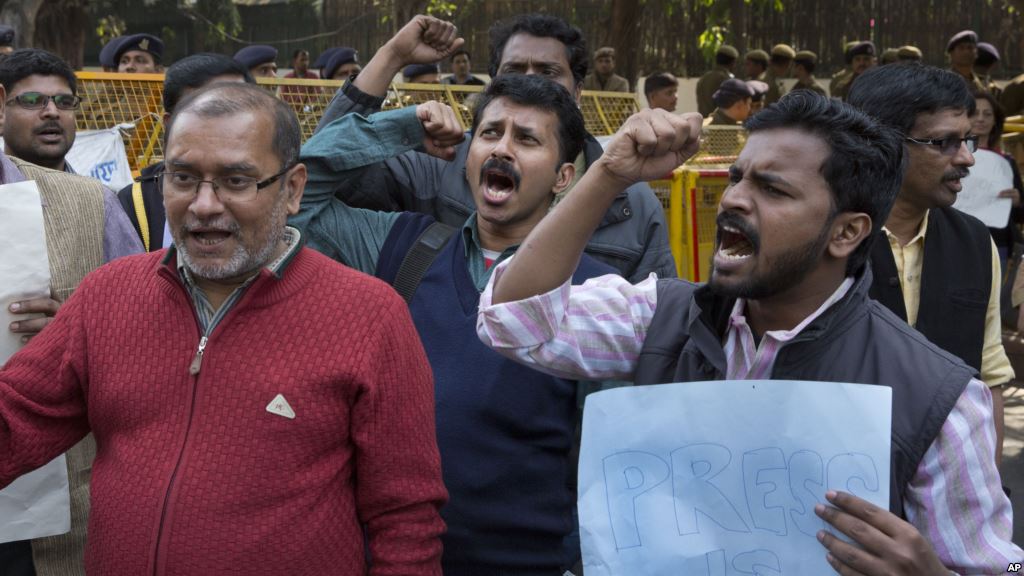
423, 40
337, 155
649, 145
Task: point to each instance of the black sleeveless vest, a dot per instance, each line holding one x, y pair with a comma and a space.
956, 283
856, 341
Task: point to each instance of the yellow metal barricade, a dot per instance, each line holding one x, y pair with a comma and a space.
307, 98
135, 102
605, 112
690, 199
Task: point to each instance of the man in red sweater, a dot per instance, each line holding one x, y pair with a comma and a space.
257, 408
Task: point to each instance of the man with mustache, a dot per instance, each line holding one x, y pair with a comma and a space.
934, 266
504, 430
787, 299
634, 236
39, 124
244, 422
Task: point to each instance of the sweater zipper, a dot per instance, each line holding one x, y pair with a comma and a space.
193, 370
197, 360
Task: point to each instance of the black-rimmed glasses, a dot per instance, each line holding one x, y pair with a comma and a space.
949, 145
235, 188
38, 100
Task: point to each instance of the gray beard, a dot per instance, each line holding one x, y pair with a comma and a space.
241, 260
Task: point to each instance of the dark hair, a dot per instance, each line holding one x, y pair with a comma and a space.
539, 92
541, 26
999, 115
985, 58
298, 51
897, 93
196, 70
25, 62
807, 64
658, 81
459, 52
866, 162
723, 59
724, 99
226, 98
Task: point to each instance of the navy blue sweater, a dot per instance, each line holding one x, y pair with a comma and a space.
504, 430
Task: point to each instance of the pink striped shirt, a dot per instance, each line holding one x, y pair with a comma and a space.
596, 330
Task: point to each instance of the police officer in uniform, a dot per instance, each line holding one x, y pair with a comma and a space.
963, 51
725, 61
780, 63
862, 58
756, 62
988, 57
803, 69
844, 74
259, 59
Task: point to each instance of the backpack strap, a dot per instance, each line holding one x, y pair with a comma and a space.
140, 213
428, 245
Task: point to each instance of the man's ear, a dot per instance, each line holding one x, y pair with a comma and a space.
565, 175
295, 184
849, 230
3, 98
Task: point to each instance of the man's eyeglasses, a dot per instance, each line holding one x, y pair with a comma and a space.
182, 185
949, 146
37, 100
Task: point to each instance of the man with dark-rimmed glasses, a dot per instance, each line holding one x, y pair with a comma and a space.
936, 267
258, 408
40, 104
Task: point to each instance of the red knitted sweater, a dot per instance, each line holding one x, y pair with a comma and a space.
193, 475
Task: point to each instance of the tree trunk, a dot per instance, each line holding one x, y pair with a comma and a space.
21, 15
60, 28
625, 32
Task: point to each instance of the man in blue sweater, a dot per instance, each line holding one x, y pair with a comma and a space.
633, 235
504, 431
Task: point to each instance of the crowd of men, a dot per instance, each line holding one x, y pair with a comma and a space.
366, 353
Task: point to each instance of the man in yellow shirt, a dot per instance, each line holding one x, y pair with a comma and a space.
938, 269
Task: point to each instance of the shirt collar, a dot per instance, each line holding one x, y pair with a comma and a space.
737, 318
293, 241
921, 231
471, 237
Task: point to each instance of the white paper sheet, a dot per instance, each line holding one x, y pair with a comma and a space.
37, 504
721, 478
990, 175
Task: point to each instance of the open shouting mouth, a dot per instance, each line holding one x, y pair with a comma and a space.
498, 179
736, 239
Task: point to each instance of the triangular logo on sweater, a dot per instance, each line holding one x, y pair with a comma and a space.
281, 407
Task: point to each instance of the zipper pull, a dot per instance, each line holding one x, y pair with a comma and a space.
197, 361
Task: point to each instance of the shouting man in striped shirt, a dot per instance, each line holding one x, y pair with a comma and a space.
787, 299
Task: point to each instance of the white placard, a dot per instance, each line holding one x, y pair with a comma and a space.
38, 503
716, 478
100, 154
990, 175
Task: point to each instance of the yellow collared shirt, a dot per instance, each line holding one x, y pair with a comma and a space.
995, 366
